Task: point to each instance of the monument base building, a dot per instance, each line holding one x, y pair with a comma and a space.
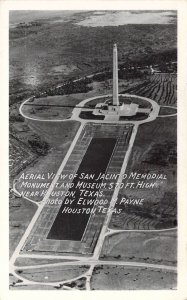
122, 109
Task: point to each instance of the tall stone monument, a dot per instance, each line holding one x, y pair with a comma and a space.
115, 76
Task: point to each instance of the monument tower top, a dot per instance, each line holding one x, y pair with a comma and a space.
115, 76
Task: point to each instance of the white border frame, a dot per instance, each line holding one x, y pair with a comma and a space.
181, 7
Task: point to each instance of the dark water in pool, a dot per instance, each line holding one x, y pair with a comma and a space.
72, 226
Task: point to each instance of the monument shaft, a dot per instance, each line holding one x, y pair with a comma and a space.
115, 76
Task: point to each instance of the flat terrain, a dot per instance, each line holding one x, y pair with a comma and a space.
53, 274
154, 150
20, 215
150, 247
123, 278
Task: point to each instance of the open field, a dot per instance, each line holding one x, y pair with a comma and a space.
48, 274
125, 278
20, 215
78, 284
59, 136
167, 111
150, 247
160, 132
154, 151
59, 107
20, 155
56, 134
64, 104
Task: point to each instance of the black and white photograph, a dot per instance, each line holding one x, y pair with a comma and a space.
93, 197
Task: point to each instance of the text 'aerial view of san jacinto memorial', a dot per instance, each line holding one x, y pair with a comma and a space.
93, 150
